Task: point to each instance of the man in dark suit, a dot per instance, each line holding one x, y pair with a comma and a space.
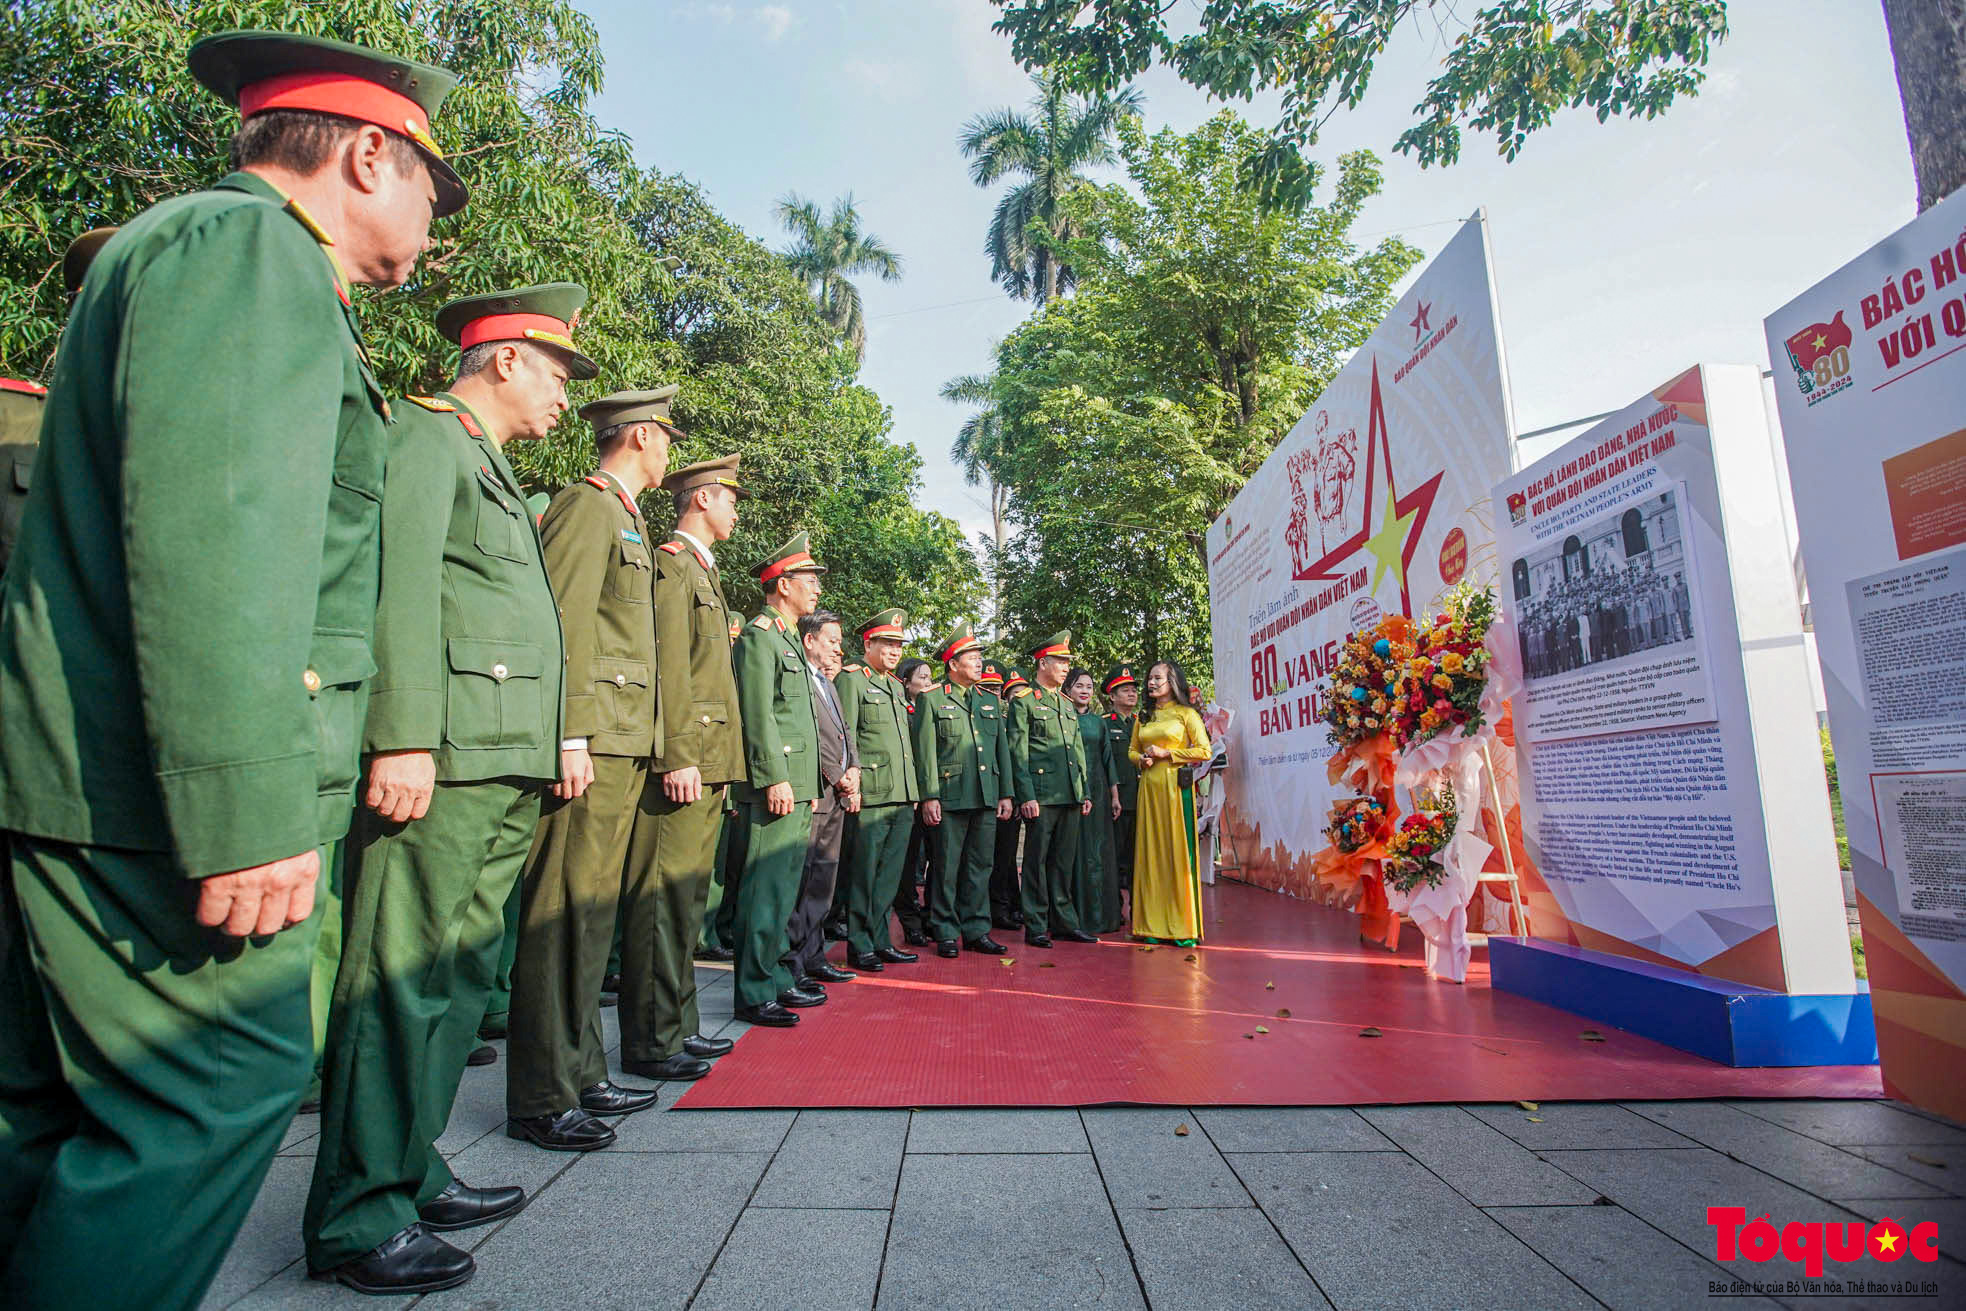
839, 796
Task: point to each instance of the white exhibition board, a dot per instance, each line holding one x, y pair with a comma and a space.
1673, 800
1376, 502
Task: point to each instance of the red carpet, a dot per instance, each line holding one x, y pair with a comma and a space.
1114, 1024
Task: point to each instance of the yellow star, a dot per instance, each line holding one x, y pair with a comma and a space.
1887, 1242
1820, 341
1388, 545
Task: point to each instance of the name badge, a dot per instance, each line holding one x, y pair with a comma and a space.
630, 535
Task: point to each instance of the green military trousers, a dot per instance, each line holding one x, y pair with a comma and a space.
569, 898
672, 849
879, 850
498, 1002
1095, 878
327, 951
1051, 855
774, 864
423, 925
716, 920
148, 1067
960, 906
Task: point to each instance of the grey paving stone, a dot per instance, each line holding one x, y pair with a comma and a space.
1576, 1125
1809, 1164
1477, 1161
299, 1140
797, 1258
1671, 1191
1146, 1164
1291, 1129
496, 1161
269, 1241
669, 1130
996, 1131
292, 1290
1375, 1229
1209, 1260
1850, 1124
1942, 1165
996, 1232
480, 1105
1618, 1258
836, 1159
570, 1247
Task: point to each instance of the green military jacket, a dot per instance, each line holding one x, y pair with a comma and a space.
774, 697
21, 404
602, 567
467, 637
1046, 752
875, 707
185, 625
694, 630
1126, 774
962, 753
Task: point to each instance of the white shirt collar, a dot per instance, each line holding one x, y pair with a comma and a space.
701, 549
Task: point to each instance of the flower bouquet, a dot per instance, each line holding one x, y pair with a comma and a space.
1362, 685
1357, 823
1439, 688
1414, 855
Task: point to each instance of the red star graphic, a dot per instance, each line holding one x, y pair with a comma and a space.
1419, 502
1419, 322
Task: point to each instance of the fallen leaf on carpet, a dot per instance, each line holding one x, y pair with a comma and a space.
1371, 1033
1249, 1035
1284, 1014
1934, 1162
1591, 1035
1189, 956
1533, 1119
1046, 965
1148, 947
1180, 1131
1261, 1029
1529, 1106
1269, 987
1006, 960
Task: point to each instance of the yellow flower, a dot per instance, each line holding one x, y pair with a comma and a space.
1428, 719
1443, 682
1378, 705
1452, 662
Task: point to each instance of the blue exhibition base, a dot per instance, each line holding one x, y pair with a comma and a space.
1731, 1023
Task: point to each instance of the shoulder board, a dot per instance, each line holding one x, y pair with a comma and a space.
736, 627
432, 404
1022, 691
762, 621
22, 386
951, 689
469, 425
853, 669
597, 481
672, 548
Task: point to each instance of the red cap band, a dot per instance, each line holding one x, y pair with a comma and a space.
1044, 651
339, 93
964, 644
509, 327
778, 567
882, 630
1121, 681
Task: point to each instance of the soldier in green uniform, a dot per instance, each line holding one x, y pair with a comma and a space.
962, 755
673, 845
463, 739
779, 787
1122, 691
602, 567
184, 651
1004, 910
875, 705
1048, 763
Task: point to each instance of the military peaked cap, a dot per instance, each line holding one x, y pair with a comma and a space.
992, 674
1120, 676
621, 408
959, 640
720, 472
1058, 644
544, 315
795, 557
888, 623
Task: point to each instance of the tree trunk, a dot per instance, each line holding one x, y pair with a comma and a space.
1928, 44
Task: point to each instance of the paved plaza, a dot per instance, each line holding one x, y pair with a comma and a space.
1565, 1205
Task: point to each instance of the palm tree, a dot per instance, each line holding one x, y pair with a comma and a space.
825, 249
1064, 135
978, 448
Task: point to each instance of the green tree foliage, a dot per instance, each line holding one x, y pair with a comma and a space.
825, 250
1049, 149
1509, 65
103, 120
1203, 326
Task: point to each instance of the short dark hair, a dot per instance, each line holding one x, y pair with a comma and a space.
1074, 675
303, 141
815, 621
906, 669
476, 359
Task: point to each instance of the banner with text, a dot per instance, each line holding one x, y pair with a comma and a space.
1870, 375
1377, 502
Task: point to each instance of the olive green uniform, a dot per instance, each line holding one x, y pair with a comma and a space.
962, 757
602, 568
470, 657
1095, 891
781, 745
875, 707
1048, 764
1126, 775
184, 646
673, 847
21, 404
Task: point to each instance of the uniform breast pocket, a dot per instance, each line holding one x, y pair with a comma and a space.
709, 617
633, 578
501, 529
494, 697
621, 686
337, 666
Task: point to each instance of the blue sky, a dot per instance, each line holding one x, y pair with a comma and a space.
1624, 252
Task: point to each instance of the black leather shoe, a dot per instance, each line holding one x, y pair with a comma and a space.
715, 953
827, 972
795, 998
698, 1045
1077, 935
460, 1206
1036, 940
865, 960
605, 1098
896, 956
569, 1131
915, 938
412, 1260
948, 950
485, 1055
680, 1068
771, 1015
